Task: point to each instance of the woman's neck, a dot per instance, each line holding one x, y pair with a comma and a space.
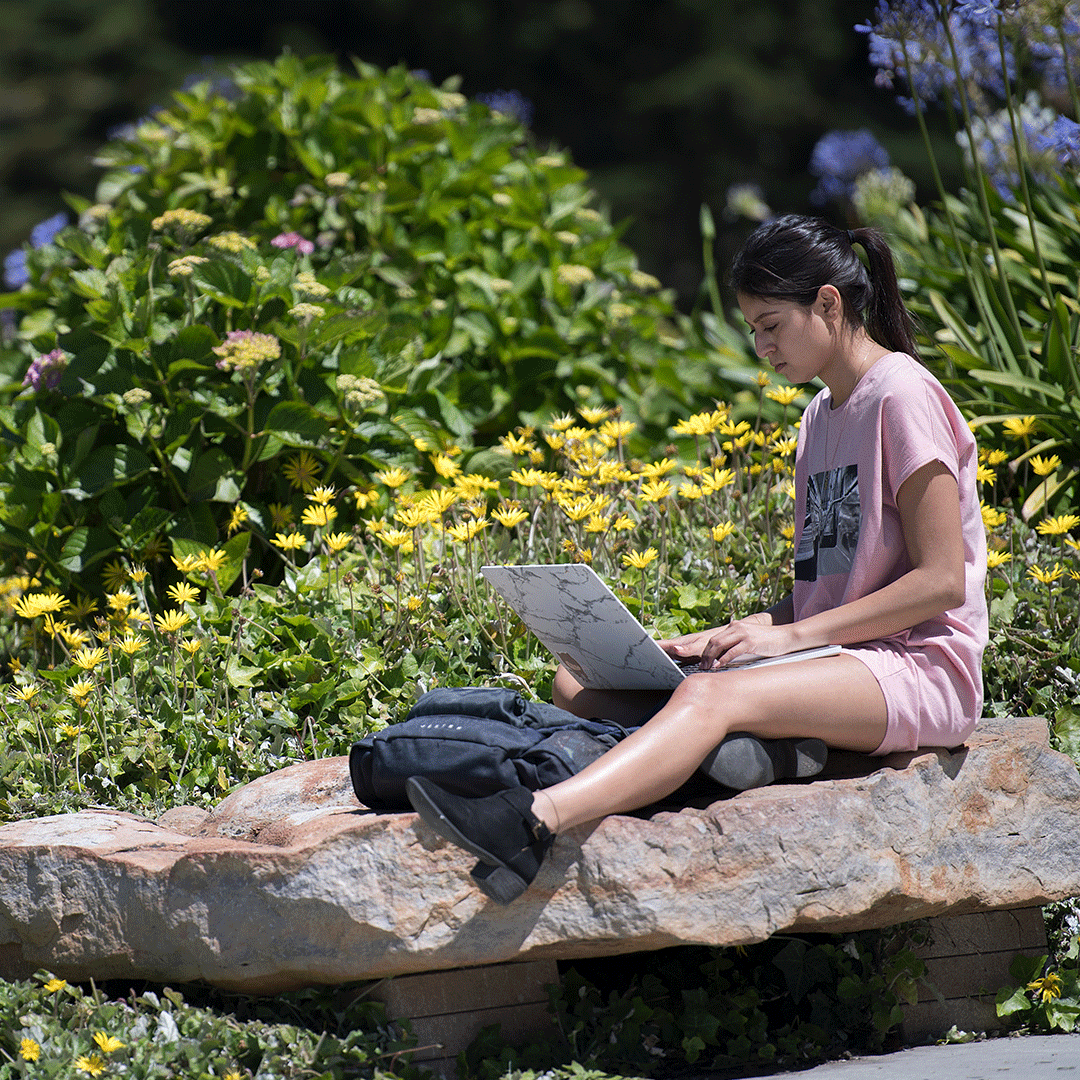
858, 353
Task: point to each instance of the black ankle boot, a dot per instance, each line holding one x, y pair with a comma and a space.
500, 830
744, 761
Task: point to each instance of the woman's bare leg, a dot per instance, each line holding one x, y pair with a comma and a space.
835, 699
629, 707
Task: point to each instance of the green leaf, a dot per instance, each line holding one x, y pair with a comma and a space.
1044, 492
1020, 383
193, 343
111, 465
78, 243
224, 281
1025, 968
296, 423
240, 676
71, 557
1067, 731
1009, 1001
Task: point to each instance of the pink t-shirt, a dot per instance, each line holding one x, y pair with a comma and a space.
850, 463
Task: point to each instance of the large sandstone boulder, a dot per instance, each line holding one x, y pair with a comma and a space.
289, 882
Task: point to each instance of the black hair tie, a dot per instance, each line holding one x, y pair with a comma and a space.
851, 238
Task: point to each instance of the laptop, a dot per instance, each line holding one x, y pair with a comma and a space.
594, 634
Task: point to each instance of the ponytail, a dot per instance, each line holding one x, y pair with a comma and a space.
888, 320
791, 257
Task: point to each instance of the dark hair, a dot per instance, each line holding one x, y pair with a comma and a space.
791, 257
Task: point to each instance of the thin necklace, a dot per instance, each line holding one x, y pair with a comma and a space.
830, 457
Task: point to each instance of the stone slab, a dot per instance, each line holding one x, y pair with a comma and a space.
289, 883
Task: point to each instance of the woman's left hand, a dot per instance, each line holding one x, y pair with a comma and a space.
745, 639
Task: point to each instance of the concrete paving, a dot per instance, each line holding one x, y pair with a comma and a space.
1033, 1057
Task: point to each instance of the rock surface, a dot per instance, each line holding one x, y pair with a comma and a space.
288, 882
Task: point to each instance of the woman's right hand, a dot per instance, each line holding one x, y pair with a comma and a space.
692, 646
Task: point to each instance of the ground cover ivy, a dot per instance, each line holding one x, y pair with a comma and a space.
50, 1028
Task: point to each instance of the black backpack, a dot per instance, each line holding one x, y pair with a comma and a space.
475, 741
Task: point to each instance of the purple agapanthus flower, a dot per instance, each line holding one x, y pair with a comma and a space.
1052, 140
509, 103
909, 42
293, 240
840, 158
1061, 140
1053, 62
981, 12
45, 372
44, 231
16, 272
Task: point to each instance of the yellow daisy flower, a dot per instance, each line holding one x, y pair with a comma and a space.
183, 593
1046, 577
88, 659
509, 516
392, 478
289, 541
172, 622
1020, 427
783, 395
640, 559
318, 516
301, 470
1057, 526
1045, 466
107, 1043
655, 490
91, 1064
210, 562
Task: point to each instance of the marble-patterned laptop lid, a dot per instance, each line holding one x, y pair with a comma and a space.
586, 626
592, 632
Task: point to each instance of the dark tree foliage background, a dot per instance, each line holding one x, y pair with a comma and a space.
666, 102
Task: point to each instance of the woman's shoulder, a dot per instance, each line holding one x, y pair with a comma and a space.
899, 376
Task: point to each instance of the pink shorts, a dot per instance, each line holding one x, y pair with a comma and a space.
927, 703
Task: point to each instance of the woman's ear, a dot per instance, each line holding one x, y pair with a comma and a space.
829, 304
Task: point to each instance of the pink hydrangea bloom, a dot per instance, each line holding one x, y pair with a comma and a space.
293, 240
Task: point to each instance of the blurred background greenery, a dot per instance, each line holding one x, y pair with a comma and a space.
667, 103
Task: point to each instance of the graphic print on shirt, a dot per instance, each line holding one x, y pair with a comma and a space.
830, 531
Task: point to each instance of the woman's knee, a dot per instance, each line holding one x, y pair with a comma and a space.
565, 689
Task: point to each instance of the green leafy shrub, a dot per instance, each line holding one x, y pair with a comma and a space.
352, 266
783, 1003
1047, 998
49, 1028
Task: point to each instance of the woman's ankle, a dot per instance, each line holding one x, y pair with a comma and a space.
543, 806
